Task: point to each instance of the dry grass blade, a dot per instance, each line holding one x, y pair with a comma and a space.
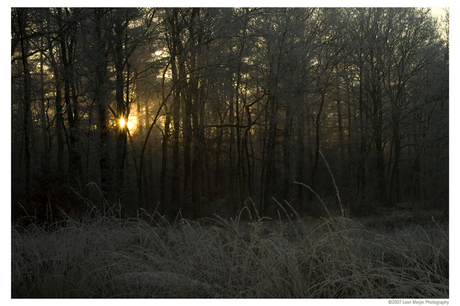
214, 257
317, 196
337, 193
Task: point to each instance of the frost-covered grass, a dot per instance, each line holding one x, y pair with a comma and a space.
327, 258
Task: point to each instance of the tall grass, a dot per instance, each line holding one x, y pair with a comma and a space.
240, 258
252, 257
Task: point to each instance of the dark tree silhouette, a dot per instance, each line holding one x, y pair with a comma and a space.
224, 108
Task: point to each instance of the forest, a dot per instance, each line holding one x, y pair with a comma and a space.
230, 153
202, 111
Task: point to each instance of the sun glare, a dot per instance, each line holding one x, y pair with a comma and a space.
131, 123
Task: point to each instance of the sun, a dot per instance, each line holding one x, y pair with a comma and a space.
122, 122
130, 123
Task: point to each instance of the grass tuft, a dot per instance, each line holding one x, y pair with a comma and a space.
260, 258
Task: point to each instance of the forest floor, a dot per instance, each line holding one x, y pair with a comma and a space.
401, 255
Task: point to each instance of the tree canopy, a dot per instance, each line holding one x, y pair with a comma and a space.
200, 109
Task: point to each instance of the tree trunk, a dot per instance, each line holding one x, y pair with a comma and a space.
378, 125
100, 96
164, 164
122, 110
341, 134
67, 42
248, 157
22, 21
175, 186
270, 175
174, 46
287, 158
394, 178
317, 124
362, 148
58, 108
300, 160
195, 108
45, 163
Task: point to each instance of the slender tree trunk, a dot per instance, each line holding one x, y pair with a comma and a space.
164, 152
67, 43
270, 175
195, 107
102, 42
174, 46
218, 178
287, 157
122, 111
263, 183
22, 21
239, 158
76, 161
58, 108
378, 140
248, 157
164, 163
341, 134
187, 128
59, 127
317, 124
394, 178
45, 163
350, 159
362, 151
231, 166
175, 186
300, 160
187, 132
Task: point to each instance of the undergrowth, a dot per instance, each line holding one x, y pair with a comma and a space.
252, 257
330, 258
